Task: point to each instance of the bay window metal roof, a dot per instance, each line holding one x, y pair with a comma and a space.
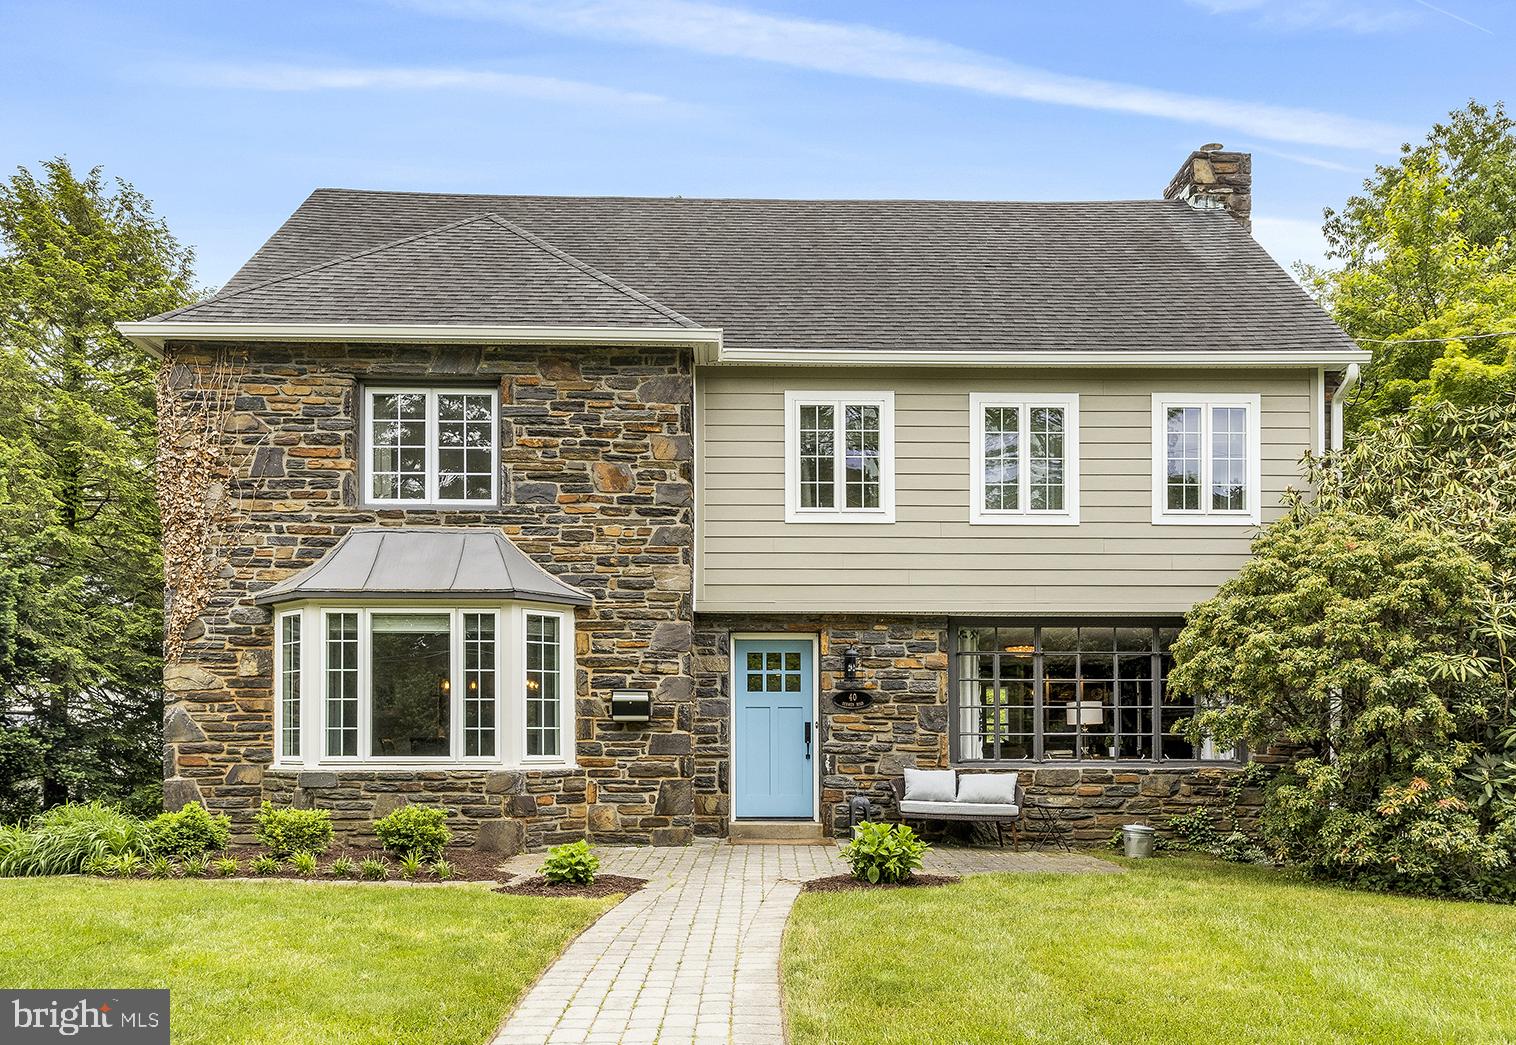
427, 563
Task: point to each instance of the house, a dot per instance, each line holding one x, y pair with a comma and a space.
641, 518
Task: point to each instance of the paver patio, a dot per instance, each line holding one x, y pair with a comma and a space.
694, 956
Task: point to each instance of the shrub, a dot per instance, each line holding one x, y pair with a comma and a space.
415, 830
160, 867
571, 864
284, 832
66, 838
227, 867
344, 867
884, 853
374, 870
265, 865
190, 832
443, 870
304, 864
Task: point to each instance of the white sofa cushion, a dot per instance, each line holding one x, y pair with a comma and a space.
930, 785
992, 788
931, 809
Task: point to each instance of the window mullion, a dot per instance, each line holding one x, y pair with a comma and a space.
839, 456
1206, 454
432, 486
1038, 725
1023, 458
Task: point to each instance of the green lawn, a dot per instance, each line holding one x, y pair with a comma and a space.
287, 962
1175, 950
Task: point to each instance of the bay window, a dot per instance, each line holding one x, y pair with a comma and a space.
1077, 693
1025, 458
839, 456
1206, 452
409, 685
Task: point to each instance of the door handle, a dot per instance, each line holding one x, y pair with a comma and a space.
807, 741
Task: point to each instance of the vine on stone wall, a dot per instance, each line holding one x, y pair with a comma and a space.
195, 407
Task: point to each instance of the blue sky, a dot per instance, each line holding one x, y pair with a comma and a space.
228, 114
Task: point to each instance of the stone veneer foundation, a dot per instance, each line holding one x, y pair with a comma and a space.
596, 480
904, 661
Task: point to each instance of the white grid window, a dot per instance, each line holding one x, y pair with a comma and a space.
543, 682
341, 684
431, 446
421, 685
289, 685
839, 456
1206, 451
1025, 458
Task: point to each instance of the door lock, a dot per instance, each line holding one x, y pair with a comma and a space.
807, 741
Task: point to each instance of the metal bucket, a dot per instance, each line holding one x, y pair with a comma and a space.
1137, 841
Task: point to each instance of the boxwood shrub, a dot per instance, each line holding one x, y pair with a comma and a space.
414, 831
284, 832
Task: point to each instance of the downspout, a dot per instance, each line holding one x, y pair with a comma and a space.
1339, 401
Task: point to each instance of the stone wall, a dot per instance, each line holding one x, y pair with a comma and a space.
904, 663
596, 480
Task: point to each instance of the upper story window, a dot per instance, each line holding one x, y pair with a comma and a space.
1206, 451
1025, 458
424, 685
839, 456
431, 446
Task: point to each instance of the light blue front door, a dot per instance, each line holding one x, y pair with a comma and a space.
774, 771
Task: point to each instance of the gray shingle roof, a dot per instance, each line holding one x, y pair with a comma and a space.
796, 274
420, 562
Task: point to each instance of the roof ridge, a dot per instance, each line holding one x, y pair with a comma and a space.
389, 245
590, 270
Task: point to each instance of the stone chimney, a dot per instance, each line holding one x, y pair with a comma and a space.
1213, 178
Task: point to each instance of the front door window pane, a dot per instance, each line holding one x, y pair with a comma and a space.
411, 685
543, 684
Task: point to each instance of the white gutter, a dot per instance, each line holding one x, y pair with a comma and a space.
1339, 402
153, 335
728, 356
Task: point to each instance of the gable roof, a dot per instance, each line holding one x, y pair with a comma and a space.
790, 275
480, 269
421, 562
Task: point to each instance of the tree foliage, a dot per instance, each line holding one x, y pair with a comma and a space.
80, 571
1427, 267
1374, 634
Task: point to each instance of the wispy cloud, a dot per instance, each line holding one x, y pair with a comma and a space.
1310, 161
860, 50
1354, 16
274, 77
1455, 17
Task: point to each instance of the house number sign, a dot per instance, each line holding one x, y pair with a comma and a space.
853, 699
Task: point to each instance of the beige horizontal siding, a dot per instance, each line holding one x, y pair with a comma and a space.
931, 559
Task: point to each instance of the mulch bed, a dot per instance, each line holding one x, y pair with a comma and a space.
842, 883
469, 865
603, 885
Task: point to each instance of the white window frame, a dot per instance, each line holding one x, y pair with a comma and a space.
838, 513
1024, 514
1205, 515
299, 757
510, 686
431, 392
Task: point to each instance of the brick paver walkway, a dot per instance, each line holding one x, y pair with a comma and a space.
694, 956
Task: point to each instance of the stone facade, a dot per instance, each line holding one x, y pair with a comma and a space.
596, 479
1213, 177
904, 662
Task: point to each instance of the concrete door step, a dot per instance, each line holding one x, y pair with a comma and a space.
777, 832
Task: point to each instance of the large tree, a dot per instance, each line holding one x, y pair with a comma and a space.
80, 570
1426, 270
